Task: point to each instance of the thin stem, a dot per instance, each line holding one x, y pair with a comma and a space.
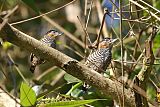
15, 23
153, 14
101, 27
89, 13
121, 40
18, 70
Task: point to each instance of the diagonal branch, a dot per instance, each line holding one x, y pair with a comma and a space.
66, 63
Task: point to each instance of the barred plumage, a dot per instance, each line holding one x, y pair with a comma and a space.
101, 58
49, 40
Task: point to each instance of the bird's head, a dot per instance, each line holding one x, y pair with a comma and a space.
107, 43
53, 34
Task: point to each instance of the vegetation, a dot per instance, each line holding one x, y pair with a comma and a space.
132, 79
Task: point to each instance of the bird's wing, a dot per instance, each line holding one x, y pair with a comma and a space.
95, 60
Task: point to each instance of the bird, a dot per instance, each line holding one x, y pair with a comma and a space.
100, 58
49, 40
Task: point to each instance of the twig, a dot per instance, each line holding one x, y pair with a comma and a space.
73, 50
85, 7
45, 73
125, 11
101, 16
136, 20
129, 62
145, 9
6, 17
10, 95
86, 37
3, 23
18, 70
86, 25
118, 94
89, 13
3, 72
85, 30
58, 77
150, 6
43, 14
121, 41
101, 27
11, 12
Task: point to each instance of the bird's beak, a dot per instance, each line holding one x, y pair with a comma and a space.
58, 34
113, 40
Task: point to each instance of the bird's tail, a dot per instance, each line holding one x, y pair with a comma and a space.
32, 68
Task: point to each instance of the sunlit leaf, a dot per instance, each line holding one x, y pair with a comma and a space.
6, 45
27, 95
69, 103
74, 87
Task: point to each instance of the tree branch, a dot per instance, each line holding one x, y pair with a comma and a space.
66, 63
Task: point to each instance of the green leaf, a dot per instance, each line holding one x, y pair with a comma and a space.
74, 87
6, 45
69, 103
31, 4
27, 95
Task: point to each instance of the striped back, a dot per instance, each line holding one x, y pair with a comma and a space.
99, 59
48, 41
